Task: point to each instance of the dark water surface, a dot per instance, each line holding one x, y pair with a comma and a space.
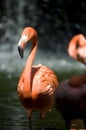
12, 114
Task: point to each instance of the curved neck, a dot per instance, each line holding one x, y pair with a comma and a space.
76, 42
28, 67
72, 47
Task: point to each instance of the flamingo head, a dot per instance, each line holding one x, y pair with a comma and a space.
28, 34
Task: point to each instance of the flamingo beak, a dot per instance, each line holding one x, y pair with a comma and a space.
20, 49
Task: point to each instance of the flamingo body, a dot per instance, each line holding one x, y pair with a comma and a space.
37, 84
70, 98
44, 83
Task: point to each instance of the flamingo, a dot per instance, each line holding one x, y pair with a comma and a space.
77, 48
37, 83
70, 96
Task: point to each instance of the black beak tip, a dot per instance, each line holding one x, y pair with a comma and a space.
20, 50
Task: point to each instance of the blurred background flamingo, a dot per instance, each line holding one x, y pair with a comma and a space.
70, 96
77, 48
37, 84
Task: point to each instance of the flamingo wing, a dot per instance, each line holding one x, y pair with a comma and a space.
44, 81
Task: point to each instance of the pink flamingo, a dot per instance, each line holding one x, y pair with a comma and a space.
70, 96
37, 84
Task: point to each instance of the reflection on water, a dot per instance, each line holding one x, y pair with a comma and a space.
77, 123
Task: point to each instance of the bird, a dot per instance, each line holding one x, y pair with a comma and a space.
37, 83
77, 48
70, 96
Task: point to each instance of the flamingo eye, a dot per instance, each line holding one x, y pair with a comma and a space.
24, 38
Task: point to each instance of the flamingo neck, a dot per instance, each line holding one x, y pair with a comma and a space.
72, 48
28, 68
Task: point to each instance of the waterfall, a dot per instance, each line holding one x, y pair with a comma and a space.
17, 15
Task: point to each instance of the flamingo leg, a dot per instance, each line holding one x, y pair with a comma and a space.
30, 123
29, 112
85, 123
68, 123
43, 124
43, 114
